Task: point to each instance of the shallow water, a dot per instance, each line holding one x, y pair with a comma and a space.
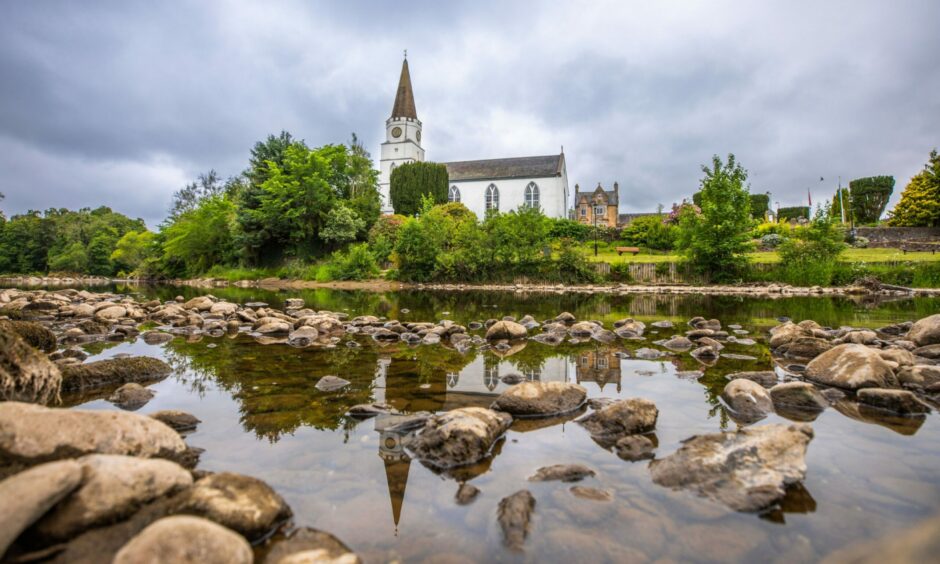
262, 416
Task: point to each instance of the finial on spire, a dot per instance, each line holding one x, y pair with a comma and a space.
406, 53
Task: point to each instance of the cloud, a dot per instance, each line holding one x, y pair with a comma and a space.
122, 103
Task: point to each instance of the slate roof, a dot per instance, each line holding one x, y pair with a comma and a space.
519, 167
405, 99
613, 198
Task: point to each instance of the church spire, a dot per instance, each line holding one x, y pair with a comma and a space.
404, 99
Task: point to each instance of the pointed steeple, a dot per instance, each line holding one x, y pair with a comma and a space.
396, 474
405, 98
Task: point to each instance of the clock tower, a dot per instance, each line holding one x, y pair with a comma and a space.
402, 136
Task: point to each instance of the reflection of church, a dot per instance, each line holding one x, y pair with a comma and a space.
396, 460
479, 382
599, 366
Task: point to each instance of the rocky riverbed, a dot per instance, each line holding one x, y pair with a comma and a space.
116, 483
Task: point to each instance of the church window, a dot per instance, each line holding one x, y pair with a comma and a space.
492, 197
532, 195
453, 195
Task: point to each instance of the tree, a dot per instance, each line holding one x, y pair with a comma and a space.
410, 181
650, 231
870, 196
133, 250
793, 212
188, 197
920, 200
342, 225
200, 238
72, 259
716, 240
842, 197
808, 256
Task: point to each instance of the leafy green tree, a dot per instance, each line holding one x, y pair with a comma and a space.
72, 259
99, 252
809, 255
200, 238
518, 237
793, 212
410, 181
651, 232
342, 225
133, 251
870, 196
716, 240
842, 197
920, 200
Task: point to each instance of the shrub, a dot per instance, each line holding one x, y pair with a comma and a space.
870, 196
384, 235
920, 200
410, 181
568, 228
760, 203
620, 272
771, 241
356, 263
572, 265
809, 256
795, 212
860, 242
650, 232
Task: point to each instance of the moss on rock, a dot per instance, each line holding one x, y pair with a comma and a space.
113, 371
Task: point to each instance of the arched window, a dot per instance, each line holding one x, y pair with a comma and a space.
453, 195
492, 198
532, 195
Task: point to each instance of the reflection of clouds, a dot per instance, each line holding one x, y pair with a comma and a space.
482, 376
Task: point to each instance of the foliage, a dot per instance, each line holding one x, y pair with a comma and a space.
920, 200
771, 241
572, 264
809, 255
794, 212
73, 258
760, 203
133, 251
870, 196
651, 232
420, 240
342, 225
842, 196
201, 238
568, 229
773, 227
715, 241
672, 218
355, 263
410, 181
383, 236
860, 242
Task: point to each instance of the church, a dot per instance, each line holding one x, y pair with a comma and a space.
492, 184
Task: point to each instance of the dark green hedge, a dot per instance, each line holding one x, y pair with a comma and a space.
410, 181
759, 204
794, 212
870, 196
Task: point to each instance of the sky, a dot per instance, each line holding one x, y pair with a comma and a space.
121, 103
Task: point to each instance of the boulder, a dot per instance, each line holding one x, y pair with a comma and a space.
928, 351
925, 331
466, 493
331, 384
747, 470
185, 540
272, 326
678, 343
223, 308
156, 337
534, 399
113, 371
199, 303
583, 329
36, 335
307, 545
459, 437
747, 399
242, 503
565, 317
860, 337
897, 401
804, 347
113, 487
27, 496
635, 447
562, 472
509, 330
25, 374
514, 514
798, 395
620, 418
111, 313
31, 434
766, 378
851, 367
179, 421
303, 336
131, 396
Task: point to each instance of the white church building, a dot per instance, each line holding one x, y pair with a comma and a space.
491, 184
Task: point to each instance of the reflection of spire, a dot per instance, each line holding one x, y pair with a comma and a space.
396, 460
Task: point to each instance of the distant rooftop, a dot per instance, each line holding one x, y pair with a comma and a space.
518, 167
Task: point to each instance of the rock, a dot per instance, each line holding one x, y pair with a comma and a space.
549, 338
111, 313
604, 336
860, 337
294, 303
131, 396
223, 308
766, 378
179, 421
804, 347
35, 334
647, 354
31, 434
747, 399
925, 331
113, 371
919, 542
272, 326
897, 401
593, 494
514, 514
367, 410
199, 303
185, 540
25, 374
303, 336
512, 379
509, 330
331, 384
156, 337
535, 399
664, 324
621, 418
706, 352
460, 436
566, 318
242, 503
583, 329
466, 493
928, 351
851, 367
798, 395
626, 328
562, 472
305, 540
678, 343
746, 470
27, 496
635, 447
113, 487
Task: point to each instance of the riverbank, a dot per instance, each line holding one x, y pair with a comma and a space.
381, 285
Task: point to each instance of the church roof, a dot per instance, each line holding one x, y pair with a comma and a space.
518, 167
405, 99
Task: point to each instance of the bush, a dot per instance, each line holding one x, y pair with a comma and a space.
771, 241
568, 228
620, 272
860, 242
356, 263
760, 203
772, 227
410, 181
870, 196
920, 200
384, 235
795, 212
572, 265
809, 256
650, 232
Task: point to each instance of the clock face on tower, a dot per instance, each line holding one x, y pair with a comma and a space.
418, 136
396, 132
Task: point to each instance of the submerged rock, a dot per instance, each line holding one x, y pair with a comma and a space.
466, 493
131, 396
747, 399
310, 546
156, 337
897, 401
562, 472
25, 374
331, 383
798, 395
113, 371
621, 418
679, 343
185, 540
113, 487
647, 354
179, 421
852, 367
533, 399
27, 496
514, 515
746, 470
509, 330
31, 434
459, 437
635, 447
242, 503
766, 378
367, 410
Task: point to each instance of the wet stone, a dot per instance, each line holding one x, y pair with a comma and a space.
179, 421
466, 493
898, 401
633, 448
131, 397
331, 383
593, 494
562, 472
514, 514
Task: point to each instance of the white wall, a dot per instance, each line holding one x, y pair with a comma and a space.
405, 149
552, 194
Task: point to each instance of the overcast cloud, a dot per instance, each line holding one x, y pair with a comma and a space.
121, 103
